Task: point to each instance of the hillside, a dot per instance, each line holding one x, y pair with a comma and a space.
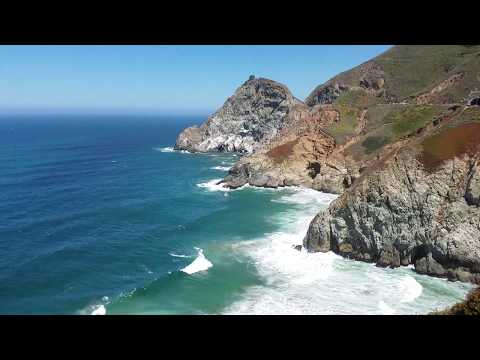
434, 74
397, 137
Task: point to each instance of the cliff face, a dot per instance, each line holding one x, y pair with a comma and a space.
418, 204
303, 154
253, 115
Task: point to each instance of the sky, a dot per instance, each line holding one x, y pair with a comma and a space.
161, 78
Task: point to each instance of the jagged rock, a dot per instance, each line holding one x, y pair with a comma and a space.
472, 194
302, 155
297, 247
253, 115
368, 76
401, 213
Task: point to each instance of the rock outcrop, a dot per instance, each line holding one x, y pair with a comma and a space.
252, 116
418, 204
301, 155
368, 77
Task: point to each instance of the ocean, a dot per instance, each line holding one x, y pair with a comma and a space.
99, 215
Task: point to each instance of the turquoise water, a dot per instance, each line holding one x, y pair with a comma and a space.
99, 215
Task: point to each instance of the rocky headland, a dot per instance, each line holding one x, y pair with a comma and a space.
398, 137
250, 117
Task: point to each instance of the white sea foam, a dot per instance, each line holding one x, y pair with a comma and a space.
165, 149
201, 263
298, 282
228, 163
212, 185
306, 196
100, 310
221, 168
292, 276
385, 309
410, 289
180, 255
170, 149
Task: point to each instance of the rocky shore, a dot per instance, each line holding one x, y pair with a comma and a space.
398, 137
406, 212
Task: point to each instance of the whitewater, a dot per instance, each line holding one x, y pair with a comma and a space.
299, 282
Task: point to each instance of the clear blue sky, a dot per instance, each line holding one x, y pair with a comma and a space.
160, 78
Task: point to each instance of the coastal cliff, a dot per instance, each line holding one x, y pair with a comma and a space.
396, 137
418, 204
253, 115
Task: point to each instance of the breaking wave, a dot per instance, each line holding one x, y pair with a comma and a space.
201, 263
410, 288
213, 185
100, 310
170, 149
221, 168
299, 282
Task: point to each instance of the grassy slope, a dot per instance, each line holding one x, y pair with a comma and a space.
409, 71
412, 70
347, 124
397, 123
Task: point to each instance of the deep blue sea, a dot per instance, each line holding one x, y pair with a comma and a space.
99, 215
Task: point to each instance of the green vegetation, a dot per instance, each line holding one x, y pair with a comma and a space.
471, 114
357, 98
410, 119
408, 71
412, 70
388, 123
373, 143
344, 128
377, 115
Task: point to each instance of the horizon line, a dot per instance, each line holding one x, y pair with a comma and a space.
102, 110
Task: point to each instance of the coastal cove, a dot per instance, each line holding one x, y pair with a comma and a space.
120, 223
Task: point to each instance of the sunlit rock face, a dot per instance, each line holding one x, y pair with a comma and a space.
252, 116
